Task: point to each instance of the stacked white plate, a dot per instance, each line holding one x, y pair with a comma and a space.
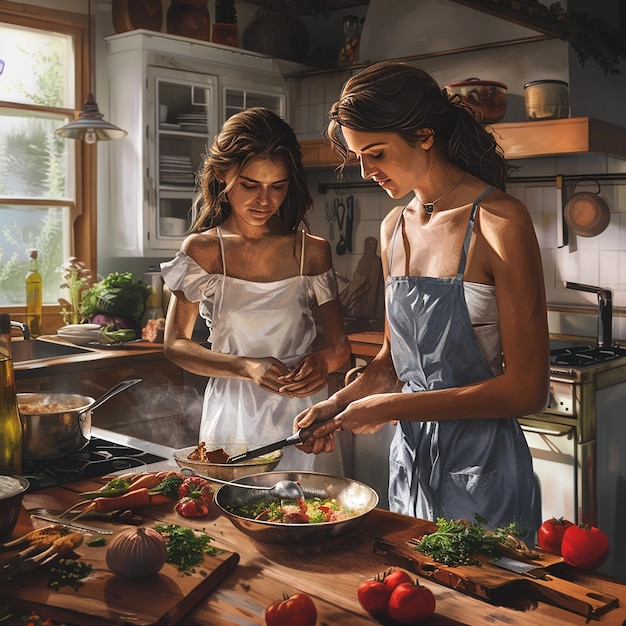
193, 122
176, 170
80, 334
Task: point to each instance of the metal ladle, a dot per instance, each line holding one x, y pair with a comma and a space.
283, 489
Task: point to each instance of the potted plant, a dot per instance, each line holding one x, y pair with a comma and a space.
225, 28
279, 32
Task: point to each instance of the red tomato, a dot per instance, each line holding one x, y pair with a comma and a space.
196, 487
411, 603
373, 596
396, 577
550, 534
298, 610
585, 546
191, 507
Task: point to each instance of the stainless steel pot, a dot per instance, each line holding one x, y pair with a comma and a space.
66, 427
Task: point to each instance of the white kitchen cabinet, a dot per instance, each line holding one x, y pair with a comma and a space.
172, 95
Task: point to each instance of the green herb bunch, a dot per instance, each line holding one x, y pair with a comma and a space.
185, 547
117, 294
458, 542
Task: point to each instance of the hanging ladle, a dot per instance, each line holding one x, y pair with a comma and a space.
283, 489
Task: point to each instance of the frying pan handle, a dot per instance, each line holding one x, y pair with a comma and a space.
121, 386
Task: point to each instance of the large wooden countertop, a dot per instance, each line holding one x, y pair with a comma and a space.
330, 572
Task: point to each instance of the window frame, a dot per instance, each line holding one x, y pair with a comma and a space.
83, 211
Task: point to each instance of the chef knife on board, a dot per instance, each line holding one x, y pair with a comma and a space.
520, 567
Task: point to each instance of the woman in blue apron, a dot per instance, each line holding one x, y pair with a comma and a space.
466, 347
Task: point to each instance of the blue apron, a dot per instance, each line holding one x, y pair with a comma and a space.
458, 468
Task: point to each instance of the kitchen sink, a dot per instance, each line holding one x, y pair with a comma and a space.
37, 349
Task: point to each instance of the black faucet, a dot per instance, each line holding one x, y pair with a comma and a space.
605, 312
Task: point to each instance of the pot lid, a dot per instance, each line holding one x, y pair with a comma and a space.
468, 82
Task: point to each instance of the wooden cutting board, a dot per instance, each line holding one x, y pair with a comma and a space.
105, 598
494, 583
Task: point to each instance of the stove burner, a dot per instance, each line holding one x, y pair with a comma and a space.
98, 458
583, 356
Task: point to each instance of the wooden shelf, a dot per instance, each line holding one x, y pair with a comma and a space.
523, 140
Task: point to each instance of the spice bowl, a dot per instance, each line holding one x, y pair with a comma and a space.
12, 489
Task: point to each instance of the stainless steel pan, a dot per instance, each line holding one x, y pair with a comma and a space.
63, 429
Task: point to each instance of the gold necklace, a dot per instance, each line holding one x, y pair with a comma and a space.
429, 207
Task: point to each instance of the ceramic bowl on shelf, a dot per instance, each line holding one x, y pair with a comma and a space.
487, 95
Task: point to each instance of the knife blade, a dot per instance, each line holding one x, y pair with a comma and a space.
46, 517
520, 567
300, 437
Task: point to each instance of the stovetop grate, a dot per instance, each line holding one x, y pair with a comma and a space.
98, 458
585, 356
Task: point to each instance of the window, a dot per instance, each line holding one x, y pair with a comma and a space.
42, 191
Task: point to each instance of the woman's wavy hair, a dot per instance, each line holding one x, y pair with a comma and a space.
247, 135
394, 96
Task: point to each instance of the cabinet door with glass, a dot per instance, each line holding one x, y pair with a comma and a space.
183, 107
237, 96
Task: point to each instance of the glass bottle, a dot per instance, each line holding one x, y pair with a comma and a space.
10, 424
34, 309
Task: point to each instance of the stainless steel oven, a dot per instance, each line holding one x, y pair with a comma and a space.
578, 443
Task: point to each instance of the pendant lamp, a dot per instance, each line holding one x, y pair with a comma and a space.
90, 125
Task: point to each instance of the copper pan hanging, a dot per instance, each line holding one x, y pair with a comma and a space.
587, 214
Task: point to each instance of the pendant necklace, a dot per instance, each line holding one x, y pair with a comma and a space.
429, 207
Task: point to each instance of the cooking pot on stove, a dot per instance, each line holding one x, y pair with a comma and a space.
57, 424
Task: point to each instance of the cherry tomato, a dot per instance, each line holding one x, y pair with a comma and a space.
192, 507
585, 546
373, 596
550, 534
396, 577
297, 610
411, 603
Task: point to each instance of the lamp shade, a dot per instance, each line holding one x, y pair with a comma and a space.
90, 125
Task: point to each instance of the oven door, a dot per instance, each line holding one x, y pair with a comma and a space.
555, 462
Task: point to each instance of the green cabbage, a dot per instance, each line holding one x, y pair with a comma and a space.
117, 294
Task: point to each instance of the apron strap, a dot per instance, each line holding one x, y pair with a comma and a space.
469, 231
393, 237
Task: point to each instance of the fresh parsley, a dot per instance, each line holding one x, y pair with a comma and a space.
458, 542
185, 547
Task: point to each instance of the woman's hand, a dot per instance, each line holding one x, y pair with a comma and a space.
267, 373
307, 376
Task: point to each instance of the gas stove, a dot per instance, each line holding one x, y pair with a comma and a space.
585, 356
98, 458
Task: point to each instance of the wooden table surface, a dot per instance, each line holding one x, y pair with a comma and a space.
330, 572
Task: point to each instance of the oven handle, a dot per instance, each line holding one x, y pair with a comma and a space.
542, 428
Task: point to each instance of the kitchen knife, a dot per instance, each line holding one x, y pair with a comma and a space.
520, 567
47, 517
300, 437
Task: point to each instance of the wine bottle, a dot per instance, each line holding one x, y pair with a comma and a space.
34, 308
10, 423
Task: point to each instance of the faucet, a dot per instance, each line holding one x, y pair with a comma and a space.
605, 312
23, 327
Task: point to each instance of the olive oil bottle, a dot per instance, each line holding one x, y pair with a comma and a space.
10, 424
34, 307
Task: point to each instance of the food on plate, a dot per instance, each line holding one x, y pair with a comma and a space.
301, 511
200, 453
186, 547
154, 330
584, 546
410, 603
373, 595
296, 610
137, 553
459, 542
550, 534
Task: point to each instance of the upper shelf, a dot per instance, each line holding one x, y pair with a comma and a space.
523, 140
